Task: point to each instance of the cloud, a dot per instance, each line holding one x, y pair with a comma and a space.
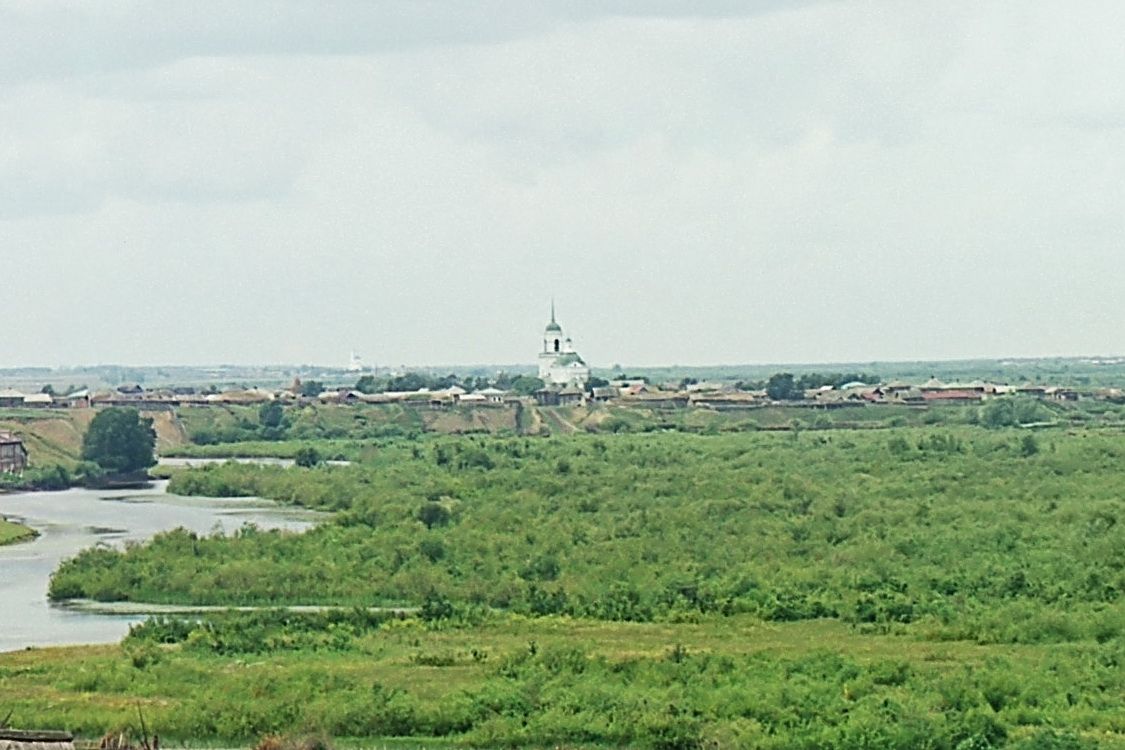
769, 182
48, 38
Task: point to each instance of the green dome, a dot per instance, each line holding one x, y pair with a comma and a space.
554, 327
569, 358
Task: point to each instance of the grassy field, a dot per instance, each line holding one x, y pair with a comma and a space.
11, 532
719, 682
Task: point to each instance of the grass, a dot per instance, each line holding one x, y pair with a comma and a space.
11, 532
191, 695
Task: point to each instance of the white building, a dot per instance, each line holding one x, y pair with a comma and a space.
559, 363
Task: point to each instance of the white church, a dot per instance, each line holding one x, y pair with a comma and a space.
559, 364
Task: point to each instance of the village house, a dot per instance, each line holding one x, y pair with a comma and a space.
78, 399
603, 393
724, 401
495, 395
572, 395
38, 400
10, 398
952, 396
568, 396
13, 454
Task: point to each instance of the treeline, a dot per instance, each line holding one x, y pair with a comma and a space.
786, 385
963, 532
414, 381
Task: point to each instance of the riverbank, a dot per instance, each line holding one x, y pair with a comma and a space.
13, 533
70, 521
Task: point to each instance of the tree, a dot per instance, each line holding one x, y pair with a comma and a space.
1013, 410
271, 415
368, 384
434, 514
120, 441
782, 387
312, 388
411, 381
525, 385
307, 457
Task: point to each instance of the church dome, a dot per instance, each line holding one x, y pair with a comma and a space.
554, 327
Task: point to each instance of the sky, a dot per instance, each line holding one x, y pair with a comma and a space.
270, 181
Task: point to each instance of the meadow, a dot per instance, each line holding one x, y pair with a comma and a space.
508, 681
944, 586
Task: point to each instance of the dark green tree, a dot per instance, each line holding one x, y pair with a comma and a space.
369, 384
434, 514
1008, 411
782, 387
307, 457
120, 441
271, 415
525, 385
411, 381
312, 388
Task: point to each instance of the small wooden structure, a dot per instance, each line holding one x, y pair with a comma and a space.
18, 739
13, 454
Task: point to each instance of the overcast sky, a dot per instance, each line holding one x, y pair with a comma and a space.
279, 181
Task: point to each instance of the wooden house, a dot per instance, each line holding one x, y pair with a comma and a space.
13, 454
18, 739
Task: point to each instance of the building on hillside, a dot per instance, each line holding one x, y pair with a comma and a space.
78, 399
951, 396
13, 454
567, 395
38, 400
10, 398
603, 393
495, 395
559, 363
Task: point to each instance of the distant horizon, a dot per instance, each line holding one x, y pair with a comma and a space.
1090, 358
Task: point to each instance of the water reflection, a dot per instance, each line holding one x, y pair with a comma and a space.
74, 519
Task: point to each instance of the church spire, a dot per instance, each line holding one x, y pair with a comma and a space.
553, 327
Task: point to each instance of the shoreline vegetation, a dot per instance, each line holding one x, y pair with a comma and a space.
12, 532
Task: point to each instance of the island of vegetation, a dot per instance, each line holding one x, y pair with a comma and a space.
12, 532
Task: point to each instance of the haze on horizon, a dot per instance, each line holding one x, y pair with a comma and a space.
755, 182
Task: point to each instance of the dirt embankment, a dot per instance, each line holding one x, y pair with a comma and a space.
55, 436
454, 421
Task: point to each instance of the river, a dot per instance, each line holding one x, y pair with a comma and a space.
72, 520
